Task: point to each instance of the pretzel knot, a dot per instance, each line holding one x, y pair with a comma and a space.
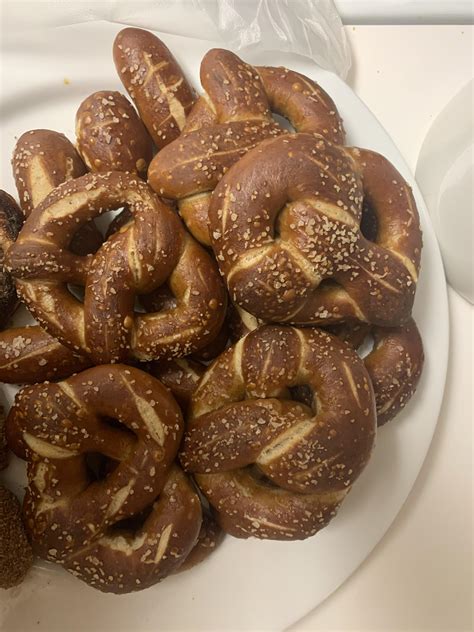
131, 528
147, 252
235, 115
273, 467
285, 228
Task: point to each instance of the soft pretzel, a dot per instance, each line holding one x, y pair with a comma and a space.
111, 136
154, 81
10, 223
144, 254
305, 458
164, 299
235, 115
394, 363
83, 520
29, 355
210, 537
42, 160
285, 227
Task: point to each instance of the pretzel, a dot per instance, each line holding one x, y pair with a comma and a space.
285, 227
10, 223
234, 115
151, 250
394, 363
84, 521
270, 466
164, 299
110, 135
154, 81
42, 160
29, 355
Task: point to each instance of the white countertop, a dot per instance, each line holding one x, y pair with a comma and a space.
419, 577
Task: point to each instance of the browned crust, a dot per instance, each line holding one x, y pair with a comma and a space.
303, 102
241, 414
151, 250
42, 160
78, 521
111, 136
394, 364
233, 117
29, 355
154, 81
287, 217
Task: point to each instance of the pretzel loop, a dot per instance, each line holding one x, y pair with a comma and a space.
145, 253
233, 116
287, 217
76, 517
242, 417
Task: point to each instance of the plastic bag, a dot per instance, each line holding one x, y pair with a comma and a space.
311, 28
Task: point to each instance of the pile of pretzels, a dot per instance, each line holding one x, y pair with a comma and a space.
197, 365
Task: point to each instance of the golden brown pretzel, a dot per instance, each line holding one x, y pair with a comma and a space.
110, 135
11, 220
242, 414
154, 81
83, 520
285, 227
234, 115
42, 160
144, 254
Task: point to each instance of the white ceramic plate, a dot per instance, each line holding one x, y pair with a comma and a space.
246, 585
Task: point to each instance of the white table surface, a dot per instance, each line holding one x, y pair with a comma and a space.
419, 577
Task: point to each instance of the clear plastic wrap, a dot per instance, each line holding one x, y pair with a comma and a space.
311, 28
